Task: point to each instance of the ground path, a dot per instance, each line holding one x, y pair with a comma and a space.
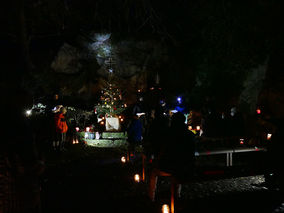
101, 183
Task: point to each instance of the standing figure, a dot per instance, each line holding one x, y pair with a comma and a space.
134, 132
61, 128
176, 156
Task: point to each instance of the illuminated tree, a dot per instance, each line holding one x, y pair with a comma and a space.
111, 103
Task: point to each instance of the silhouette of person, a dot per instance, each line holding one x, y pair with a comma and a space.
176, 156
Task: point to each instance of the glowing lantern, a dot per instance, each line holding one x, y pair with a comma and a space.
189, 127
197, 128
28, 112
258, 111
123, 159
77, 141
74, 142
102, 123
121, 119
77, 129
269, 135
165, 208
241, 141
119, 116
139, 90
137, 178
87, 129
103, 118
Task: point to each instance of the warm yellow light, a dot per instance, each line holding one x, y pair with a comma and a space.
139, 90
102, 123
74, 141
137, 178
103, 118
87, 129
198, 128
165, 208
121, 119
123, 159
269, 135
119, 116
189, 127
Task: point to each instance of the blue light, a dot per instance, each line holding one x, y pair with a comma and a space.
179, 100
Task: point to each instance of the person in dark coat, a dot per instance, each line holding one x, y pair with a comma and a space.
134, 133
274, 176
156, 132
176, 156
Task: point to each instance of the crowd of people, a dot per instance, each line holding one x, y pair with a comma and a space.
165, 139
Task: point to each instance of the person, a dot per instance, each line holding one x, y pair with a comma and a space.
61, 128
134, 132
156, 132
176, 156
53, 106
235, 124
274, 176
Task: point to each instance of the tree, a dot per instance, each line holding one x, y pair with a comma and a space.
111, 103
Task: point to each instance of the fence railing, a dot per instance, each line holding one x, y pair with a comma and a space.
229, 153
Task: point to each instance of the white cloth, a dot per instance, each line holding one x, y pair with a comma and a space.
112, 124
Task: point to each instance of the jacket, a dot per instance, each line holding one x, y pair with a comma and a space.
60, 123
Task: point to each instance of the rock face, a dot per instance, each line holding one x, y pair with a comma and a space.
67, 60
132, 64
